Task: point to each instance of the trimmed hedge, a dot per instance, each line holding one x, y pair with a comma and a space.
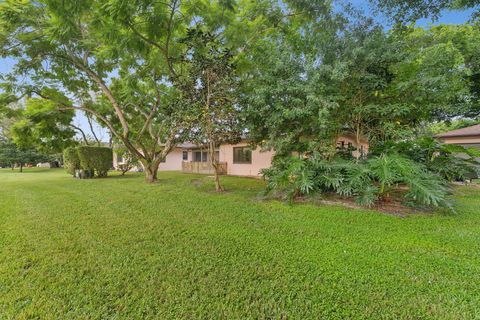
71, 161
89, 159
98, 159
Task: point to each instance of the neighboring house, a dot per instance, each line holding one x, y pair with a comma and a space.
467, 137
234, 159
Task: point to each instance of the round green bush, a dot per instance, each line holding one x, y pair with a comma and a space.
98, 159
71, 161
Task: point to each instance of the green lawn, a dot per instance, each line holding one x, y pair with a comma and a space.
117, 248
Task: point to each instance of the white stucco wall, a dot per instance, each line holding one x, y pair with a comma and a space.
173, 161
260, 160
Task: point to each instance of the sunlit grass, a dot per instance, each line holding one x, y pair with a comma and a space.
119, 248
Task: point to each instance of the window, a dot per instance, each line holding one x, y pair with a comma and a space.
242, 155
200, 156
197, 156
185, 155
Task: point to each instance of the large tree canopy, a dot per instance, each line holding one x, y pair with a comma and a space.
307, 72
357, 79
118, 60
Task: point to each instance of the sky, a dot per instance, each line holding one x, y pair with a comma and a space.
447, 17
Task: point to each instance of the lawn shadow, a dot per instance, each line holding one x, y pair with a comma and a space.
121, 177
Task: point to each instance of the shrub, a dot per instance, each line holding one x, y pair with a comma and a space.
71, 162
98, 159
368, 181
451, 162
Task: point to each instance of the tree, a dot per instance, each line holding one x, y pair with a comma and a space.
43, 126
357, 79
111, 60
118, 60
210, 86
11, 155
444, 126
439, 69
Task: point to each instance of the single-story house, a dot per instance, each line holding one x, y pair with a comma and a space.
234, 159
467, 137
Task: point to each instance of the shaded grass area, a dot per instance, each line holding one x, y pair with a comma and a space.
119, 248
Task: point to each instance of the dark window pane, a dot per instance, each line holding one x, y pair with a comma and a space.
198, 156
248, 155
242, 155
185, 155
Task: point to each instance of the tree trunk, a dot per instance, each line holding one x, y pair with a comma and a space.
357, 142
21, 166
218, 186
151, 170
215, 166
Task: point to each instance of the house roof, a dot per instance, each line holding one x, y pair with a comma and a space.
187, 145
464, 132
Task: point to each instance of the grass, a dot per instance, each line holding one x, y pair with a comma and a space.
117, 248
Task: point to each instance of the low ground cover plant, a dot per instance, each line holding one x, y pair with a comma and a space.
452, 162
369, 181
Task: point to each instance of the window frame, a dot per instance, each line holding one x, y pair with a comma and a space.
185, 155
242, 162
203, 156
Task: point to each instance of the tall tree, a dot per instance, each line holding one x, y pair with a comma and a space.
118, 60
111, 60
355, 78
210, 87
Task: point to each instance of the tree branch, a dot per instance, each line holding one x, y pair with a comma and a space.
89, 119
97, 79
82, 132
